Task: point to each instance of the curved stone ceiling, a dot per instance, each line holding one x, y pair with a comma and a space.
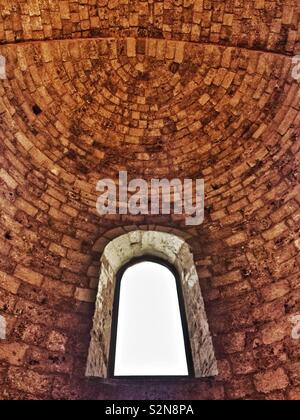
79, 110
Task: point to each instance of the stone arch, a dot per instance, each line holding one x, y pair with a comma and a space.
175, 251
110, 234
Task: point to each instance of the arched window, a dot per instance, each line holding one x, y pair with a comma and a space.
175, 254
149, 335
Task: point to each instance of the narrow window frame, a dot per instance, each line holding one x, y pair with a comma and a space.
115, 316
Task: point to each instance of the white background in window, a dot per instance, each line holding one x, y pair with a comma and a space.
150, 338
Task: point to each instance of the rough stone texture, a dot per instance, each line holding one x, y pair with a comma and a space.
222, 105
268, 25
173, 250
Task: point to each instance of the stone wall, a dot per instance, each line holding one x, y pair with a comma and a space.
75, 111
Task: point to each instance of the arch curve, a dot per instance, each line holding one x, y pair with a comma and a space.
174, 251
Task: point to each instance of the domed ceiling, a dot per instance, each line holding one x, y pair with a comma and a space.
167, 88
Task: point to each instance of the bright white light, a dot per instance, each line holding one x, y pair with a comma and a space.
150, 339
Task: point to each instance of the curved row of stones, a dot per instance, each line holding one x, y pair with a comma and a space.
259, 24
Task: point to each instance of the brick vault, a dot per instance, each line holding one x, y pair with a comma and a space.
173, 88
